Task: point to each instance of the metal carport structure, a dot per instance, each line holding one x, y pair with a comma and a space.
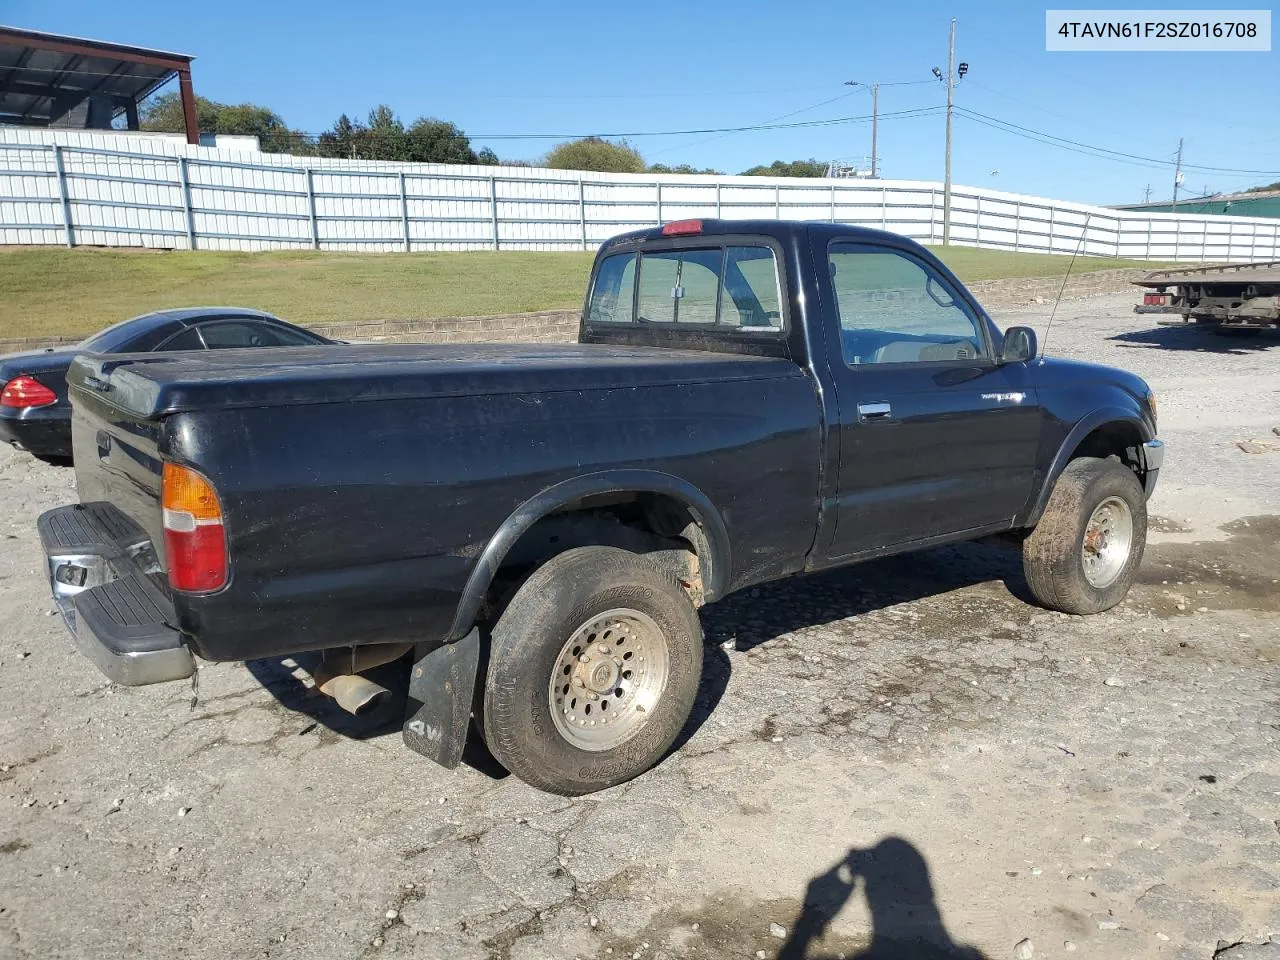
52, 80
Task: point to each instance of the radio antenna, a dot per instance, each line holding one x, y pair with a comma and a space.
1065, 277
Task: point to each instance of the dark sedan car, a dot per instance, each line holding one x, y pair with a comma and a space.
34, 412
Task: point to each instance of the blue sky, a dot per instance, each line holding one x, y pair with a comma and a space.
508, 67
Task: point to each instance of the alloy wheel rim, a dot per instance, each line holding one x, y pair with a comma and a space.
608, 679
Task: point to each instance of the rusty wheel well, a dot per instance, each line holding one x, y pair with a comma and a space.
659, 527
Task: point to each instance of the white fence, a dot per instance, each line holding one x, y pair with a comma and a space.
76, 188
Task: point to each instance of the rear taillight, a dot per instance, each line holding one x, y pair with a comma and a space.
25, 392
1154, 299
195, 543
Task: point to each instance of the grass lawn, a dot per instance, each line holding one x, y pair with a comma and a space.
55, 291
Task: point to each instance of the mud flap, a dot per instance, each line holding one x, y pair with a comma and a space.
441, 688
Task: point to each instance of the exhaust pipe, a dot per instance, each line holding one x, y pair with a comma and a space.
355, 694
338, 675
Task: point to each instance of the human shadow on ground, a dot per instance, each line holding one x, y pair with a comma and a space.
906, 923
1199, 339
743, 620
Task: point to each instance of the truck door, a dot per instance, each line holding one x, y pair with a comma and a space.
936, 437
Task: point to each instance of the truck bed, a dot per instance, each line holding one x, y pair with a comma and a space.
166, 384
360, 484
1232, 273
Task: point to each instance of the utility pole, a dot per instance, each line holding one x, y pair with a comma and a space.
875, 123
1147, 198
874, 87
1177, 176
946, 187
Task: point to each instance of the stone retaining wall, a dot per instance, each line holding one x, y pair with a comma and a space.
1019, 291
561, 326
18, 344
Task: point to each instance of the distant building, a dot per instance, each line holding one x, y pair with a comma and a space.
1264, 203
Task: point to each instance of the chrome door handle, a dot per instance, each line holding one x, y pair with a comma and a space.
874, 411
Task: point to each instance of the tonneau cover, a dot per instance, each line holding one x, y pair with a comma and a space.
152, 385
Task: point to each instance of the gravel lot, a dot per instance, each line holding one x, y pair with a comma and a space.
905, 750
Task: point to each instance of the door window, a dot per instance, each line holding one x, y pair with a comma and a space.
246, 333
894, 309
188, 339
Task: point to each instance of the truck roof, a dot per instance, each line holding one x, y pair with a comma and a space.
780, 230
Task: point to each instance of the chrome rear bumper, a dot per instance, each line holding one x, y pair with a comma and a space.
108, 587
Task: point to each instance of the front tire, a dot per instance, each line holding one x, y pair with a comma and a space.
1082, 556
593, 670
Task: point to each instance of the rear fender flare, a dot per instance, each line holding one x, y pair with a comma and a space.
1098, 418
715, 568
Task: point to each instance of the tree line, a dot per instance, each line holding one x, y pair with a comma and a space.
384, 136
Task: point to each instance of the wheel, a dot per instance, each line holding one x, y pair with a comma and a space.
1083, 554
593, 669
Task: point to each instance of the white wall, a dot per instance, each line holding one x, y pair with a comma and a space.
110, 189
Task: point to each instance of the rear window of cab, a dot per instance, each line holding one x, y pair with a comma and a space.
733, 287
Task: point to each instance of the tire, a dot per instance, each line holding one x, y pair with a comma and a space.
1063, 572
598, 597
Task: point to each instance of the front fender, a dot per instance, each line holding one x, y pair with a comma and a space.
715, 569
1083, 427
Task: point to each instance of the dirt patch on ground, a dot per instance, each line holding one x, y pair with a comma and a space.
1239, 573
1166, 525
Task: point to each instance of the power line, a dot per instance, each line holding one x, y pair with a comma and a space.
1004, 127
626, 134
1039, 109
1105, 152
721, 136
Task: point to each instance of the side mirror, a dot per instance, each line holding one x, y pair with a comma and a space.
1019, 345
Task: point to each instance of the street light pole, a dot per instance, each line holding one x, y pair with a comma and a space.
875, 117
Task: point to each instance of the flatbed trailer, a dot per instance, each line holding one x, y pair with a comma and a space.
1242, 296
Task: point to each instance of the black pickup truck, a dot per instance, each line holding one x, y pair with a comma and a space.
532, 528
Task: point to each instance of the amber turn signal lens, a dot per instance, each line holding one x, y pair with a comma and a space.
187, 491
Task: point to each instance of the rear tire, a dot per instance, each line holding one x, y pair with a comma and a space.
593, 670
1082, 556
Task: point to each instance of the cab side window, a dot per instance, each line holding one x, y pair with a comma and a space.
895, 309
